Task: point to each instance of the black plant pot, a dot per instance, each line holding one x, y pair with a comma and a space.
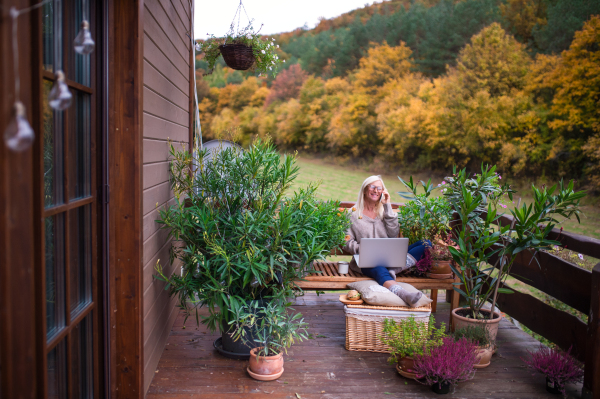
227, 347
442, 388
552, 387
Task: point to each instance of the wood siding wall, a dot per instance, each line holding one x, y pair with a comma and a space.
166, 117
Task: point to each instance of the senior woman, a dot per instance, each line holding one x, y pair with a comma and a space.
372, 217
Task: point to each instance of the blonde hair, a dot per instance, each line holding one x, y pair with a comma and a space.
360, 203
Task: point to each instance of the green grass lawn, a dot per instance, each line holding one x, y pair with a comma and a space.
343, 182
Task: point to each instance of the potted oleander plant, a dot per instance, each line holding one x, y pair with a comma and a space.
240, 235
485, 251
559, 368
275, 328
243, 49
444, 366
479, 336
408, 338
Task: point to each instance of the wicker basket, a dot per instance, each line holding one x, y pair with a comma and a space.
365, 326
237, 56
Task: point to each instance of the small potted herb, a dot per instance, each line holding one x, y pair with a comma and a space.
272, 327
446, 365
479, 336
441, 258
560, 368
410, 337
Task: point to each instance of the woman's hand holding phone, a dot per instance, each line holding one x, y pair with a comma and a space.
385, 197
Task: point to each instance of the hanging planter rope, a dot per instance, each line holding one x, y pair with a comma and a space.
238, 56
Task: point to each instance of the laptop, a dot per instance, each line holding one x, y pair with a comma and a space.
386, 252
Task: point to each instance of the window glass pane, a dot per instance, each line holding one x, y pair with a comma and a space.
78, 66
79, 116
81, 375
55, 264
53, 162
48, 36
57, 372
80, 257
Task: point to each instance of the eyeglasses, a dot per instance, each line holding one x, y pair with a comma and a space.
373, 187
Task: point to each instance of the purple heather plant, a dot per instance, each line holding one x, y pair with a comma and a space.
424, 264
451, 362
558, 366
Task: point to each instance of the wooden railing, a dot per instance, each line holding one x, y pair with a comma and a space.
568, 283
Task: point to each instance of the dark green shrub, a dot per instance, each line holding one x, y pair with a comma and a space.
238, 236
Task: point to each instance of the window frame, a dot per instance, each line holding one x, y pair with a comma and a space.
72, 317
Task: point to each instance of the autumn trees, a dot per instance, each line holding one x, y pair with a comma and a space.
498, 103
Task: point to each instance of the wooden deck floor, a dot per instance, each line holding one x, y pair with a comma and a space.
322, 368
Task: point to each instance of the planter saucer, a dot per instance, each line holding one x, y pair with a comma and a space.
439, 276
481, 366
344, 299
262, 377
218, 345
406, 374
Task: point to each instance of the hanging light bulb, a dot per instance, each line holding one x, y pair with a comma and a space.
198, 47
83, 42
60, 97
19, 135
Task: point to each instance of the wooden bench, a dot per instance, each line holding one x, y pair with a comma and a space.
328, 278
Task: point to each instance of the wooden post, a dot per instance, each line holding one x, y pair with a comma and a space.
591, 383
21, 371
125, 130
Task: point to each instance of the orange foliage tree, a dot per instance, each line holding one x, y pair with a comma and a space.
287, 84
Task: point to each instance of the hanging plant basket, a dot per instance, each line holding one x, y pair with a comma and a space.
237, 56
242, 49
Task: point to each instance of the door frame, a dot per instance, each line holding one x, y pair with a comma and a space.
125, 117
22, 372
18, 354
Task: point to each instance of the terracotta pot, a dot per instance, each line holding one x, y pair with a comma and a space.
490, 325
484, 354
265, 365
440, 269
406, 367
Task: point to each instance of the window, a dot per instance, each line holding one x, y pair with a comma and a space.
69, 208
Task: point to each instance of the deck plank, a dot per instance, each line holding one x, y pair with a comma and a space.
323, 368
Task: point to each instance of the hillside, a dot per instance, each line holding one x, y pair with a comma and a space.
429, 85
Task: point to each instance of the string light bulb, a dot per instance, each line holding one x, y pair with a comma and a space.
18, 135
60, 97
83, 43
